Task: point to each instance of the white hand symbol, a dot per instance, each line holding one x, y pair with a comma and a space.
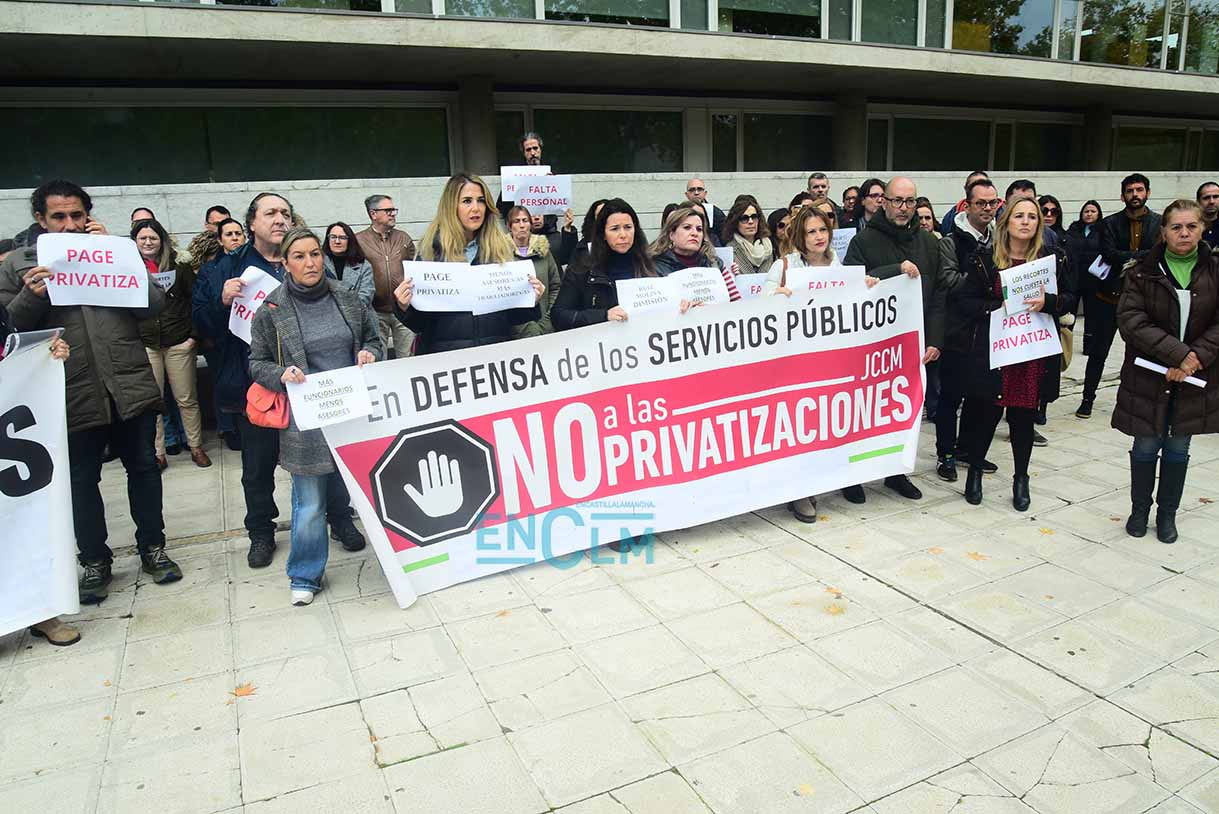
440, 479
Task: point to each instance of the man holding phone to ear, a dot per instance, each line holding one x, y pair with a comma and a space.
112, 397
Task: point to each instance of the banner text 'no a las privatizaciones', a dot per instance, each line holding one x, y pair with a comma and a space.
481, 460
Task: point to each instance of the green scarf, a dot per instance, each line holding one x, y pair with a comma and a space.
1181, 266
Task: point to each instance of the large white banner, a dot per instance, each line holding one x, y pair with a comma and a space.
38, 556
87, 269
480, 460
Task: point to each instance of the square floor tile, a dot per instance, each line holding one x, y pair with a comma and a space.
811, 611
196, 776
965, 789
955, 641
403, 661
1087, 656
44, 740
478, 597
1165, 634
585, 754
998, 612
73, 791
1192, 598
695, 718
508, 635
881, 656
665, 793
185, 709
964, 712
439, 784
1058, 589
730, 635
454, 711
539, 689
680, 593
365, 793
176, 657
61, 678
1034, 685
1183, 705
283, 633
299, 683
595, 614
378, 617
640, 660
794, 685
873, 749
755, 573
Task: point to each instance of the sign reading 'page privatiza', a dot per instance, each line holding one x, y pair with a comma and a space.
481, 460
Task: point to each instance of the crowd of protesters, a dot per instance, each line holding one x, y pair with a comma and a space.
346, 299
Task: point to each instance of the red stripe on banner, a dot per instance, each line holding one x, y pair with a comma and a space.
650, 434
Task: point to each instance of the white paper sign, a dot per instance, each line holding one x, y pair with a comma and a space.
165, 279
482, 289
511, 177
1099, 268
1024, 282
545, 195
750, 285
330, 397
702, 284
38, 564
258, 286
809, 279
89, 269
842, 239
1022, 337
727, 256
639, 294
1139, 361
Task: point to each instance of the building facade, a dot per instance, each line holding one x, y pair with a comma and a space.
317, 92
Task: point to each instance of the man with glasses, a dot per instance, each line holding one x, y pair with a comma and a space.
895, 244
949, 220
1208, 199
696, 192
819, 188
973, 230
386, 247
850, 196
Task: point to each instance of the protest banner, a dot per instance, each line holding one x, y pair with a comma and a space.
810, 279
257, 287
842, 240
480, 460
510, 179
38, 566
751, 285
329, 397
1024, 282
1099, 268
482, 289
701, 284
1022, 337
548, 195
165, 279
86, 269
639, 294
726, 255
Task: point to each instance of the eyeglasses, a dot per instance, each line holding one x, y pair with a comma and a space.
749, 217
901, 203
879, 196
1049, 210
388, 210
696, 189
338, 238
991, 204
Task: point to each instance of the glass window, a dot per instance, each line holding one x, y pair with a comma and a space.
694, 14
1023, 27
787, 18
1068, 24
840, 19
622, 12
934, 33
1202, 40
509, 127
890, 21
1045, 146
1209, 158
878, 145
1123, 32
1003, 147
584, 141
1148, 149
786, 141
414, 6
197, 145
940, 144
342, 5
490, 8
723, 142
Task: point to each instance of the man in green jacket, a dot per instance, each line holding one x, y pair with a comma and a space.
894, 244
111, 394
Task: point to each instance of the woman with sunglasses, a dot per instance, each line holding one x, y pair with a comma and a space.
747, 233
1051, 212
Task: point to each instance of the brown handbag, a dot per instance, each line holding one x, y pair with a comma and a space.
266, 407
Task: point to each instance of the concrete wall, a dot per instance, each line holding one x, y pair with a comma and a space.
181, 206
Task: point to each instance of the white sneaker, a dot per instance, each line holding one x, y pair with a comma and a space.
301, 597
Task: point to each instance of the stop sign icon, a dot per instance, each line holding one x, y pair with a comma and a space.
434, 482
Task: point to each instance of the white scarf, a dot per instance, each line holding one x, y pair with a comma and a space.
757, 253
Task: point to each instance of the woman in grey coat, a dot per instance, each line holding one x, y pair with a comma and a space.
309, 324
346, 263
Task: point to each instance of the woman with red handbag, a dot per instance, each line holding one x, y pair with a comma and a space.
308, 325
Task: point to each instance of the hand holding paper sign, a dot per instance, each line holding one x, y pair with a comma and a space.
256, 286
1028, 283
36, 280
93, 269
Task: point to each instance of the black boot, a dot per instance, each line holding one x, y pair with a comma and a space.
94, 583
1142, 481
1020, 493
157, 564
344, 531
1168, 498
973, 485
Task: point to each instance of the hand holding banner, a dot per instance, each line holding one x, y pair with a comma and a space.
257, 286
329, 397
510, 179
482, 289
87, 269
1024, 282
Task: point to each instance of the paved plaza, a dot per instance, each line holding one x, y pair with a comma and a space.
894, 658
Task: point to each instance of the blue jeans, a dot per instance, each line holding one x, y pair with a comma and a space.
1147, 448
310, 545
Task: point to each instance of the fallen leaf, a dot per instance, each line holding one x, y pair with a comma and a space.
1205, 500
1049, 596
105, 717
1115, 518
1046, 531
244, 691
823, 517
837, 592
835, 610
106, 683
502, 614
977, 556
805, 790
935, 550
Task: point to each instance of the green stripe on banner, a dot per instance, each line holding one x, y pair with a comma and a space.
876, 453
415, 566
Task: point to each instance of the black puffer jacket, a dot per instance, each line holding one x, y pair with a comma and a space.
1084, 248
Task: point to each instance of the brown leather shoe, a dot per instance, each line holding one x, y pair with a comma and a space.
200, 457
162, 462
56, 632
